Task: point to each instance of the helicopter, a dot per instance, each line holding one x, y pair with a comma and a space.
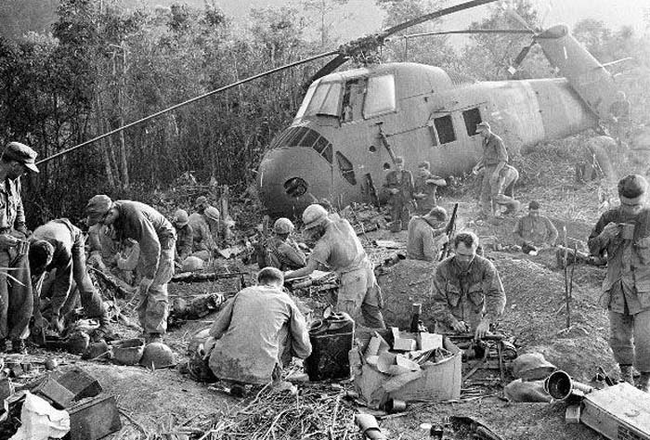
353, 124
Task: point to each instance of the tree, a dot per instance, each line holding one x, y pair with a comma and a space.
323, 10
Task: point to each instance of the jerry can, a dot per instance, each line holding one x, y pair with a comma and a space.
331, 340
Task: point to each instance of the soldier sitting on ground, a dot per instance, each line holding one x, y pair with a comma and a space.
534, 231
256, 332
426, 185
427, 235
281, 251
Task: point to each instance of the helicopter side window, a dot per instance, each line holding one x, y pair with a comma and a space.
445, 129
325, 100
472, 118
380, 96
307, 99
346, 168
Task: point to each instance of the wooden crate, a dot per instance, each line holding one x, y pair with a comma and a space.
619, 412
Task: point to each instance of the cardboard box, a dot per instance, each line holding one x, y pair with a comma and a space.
437, 382
618, 412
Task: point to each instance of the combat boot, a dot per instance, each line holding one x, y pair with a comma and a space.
626, 374
644, 382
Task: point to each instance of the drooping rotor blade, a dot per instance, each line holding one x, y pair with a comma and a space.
184, 103
434, 15
373, 41
471, 31
520, 58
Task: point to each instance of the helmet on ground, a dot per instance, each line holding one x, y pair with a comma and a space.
212, 213
181, 218
313, 216
283, 226
157, 355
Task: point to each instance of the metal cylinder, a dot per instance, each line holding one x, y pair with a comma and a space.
560, 385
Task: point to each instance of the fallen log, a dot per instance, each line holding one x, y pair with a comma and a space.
193, 277
123, 289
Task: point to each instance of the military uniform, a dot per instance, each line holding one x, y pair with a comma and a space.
69, 261
466, 295
400, 202
422, 243
494, 152
359, 294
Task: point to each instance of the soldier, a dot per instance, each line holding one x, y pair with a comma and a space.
623, 235
205, 225
16, 299
503, 193
422, 243
59, 246
156, 237
495, 157
339, 248
184, 235
467, 291
399, 189
281, 251
256, 332
425, 188
534, 231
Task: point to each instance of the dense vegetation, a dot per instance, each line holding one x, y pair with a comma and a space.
102, 65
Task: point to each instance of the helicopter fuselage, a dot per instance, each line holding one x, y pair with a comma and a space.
352, 125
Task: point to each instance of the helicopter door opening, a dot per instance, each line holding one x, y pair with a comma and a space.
352, 100
472, 118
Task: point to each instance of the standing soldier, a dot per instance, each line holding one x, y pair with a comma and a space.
495, 157
156, 238
399, 189
339, 248
623, 235
17, 300
426, 185
59, 245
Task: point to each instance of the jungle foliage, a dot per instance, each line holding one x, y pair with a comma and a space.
102, 66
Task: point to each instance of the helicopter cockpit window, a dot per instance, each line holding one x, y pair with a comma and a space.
445, 129
347, 170
307, 99
380, 96
472, 118
324, 100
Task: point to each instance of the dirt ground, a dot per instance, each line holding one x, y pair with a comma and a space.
168, 404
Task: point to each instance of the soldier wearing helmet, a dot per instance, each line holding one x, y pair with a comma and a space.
281, 251
339, 248
205, 227
622, 235
17, 299
184, 235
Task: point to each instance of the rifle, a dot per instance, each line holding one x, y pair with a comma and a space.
449, 230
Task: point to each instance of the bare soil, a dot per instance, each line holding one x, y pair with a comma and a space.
167, 404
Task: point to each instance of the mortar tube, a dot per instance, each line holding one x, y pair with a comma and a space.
560, 385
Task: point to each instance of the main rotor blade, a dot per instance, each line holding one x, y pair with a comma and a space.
368, 41
184, 103
471, 31
434, 15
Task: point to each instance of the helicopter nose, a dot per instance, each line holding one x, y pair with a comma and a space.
292, 178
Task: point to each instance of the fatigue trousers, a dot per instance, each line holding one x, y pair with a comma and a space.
399, 211
153, 306
16, 296
630, 339
360, 297
489, 190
